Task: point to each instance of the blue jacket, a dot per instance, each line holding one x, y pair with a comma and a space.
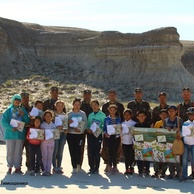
107, 121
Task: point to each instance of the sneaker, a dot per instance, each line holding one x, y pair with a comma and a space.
131, 170
115, 170
162, 176
191, 176
155, 175
170, 176
140, 174
78, 168
74, 171
32, 173
176, 177
126, 172
45, 174
60, 171
92, 171
18, 171
147, 173
182, 179
9, 171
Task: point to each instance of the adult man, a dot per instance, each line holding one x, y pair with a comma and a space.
50, 103
112, 96
86, 107
183, 107
162, 97
27, 107
139, 105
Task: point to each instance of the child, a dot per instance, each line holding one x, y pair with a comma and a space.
74, 135
34, 148
127, 143
113, 140
171, 123
188, 147
141, 116
94, 143
157, 165
59, 143
47, 146
14, 138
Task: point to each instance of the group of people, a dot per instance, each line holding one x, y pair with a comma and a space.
41, 155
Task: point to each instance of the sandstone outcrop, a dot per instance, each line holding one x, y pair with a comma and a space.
103, 60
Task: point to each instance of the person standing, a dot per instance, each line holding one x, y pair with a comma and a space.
112, 96
162, 97
28, 108
86, 107
13, 137
183, 107
138, 104
74, 135
50, 103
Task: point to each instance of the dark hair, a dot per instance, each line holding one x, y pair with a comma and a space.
77, 100
112, 91
39, 118
39, 102
48, 111
95, 101
129, 111
141, 112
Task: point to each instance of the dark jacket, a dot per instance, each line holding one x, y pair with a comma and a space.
140, 106
50, 105
119, 111
86, 107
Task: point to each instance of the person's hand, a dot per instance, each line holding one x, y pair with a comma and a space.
107, 135
175, 129
77, 130
14, 129
152, 125
70, 121
60, 127
21, 112
168, 128
89, 131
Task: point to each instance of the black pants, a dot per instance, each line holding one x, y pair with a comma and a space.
75, 144
94, 146
35, 157
129, 155
143, 165
113, 145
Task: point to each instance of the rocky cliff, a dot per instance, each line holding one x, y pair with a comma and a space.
102, 60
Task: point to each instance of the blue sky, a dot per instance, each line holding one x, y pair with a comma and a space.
127, 16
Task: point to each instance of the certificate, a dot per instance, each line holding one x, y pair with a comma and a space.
114, 129
81, 126
52, 134
17, 124
97, 132
36, 134
34, 112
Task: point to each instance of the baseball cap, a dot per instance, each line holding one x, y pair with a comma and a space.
163, 110
162, 94
87, 91
190, 110
186, 89
172, 107
138, 90
24, 94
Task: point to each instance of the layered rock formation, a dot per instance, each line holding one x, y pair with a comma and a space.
151, 60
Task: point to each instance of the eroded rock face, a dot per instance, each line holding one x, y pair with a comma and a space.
151, 60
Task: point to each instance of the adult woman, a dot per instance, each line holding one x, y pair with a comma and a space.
14, 138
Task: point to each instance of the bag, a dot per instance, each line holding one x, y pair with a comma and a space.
177, 147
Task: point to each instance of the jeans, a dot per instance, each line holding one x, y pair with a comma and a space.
58, 151
187, 150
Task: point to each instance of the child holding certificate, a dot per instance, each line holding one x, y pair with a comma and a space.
94, 138
127, 142
77, 124
60, 117
114, 140
34, 147
47, 145
142, 165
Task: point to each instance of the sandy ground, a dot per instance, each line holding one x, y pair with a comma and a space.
84, 183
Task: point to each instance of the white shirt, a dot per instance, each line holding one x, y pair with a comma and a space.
127, 139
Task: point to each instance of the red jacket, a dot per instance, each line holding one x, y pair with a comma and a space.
32, 141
